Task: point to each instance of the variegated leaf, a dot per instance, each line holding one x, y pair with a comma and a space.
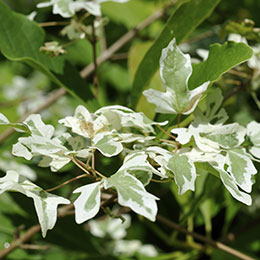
88, 203
132, 194
45, 203
175, 70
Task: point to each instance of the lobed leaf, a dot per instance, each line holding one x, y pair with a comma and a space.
184, 172
197, 11
45, 203
175, 70
88, 203
221, 59
132, 194
241, 168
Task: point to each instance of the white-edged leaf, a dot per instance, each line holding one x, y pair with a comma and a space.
67, 8
184, 172
21, 151
137, 165
54, 151
85, 124
3, 120
37, 127
253, 132
19, 127
106, 145
213, 113
88, 203
210, 138
119, 117
8, 163
231, 186
45, 203
132, 194
175, 71
241, 168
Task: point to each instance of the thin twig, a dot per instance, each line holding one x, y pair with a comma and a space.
239, 73
204, 239
168, 141
67, 182
179, 120
94, 49
30, 233
172, 136
53, 98
100, 174
58, 23
122, 41
80, 166
161, 181
34, 247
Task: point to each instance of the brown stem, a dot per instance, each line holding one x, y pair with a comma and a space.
172, 136
122, 41
18, 242
47, 24
67, 182
204, 239
94, 49
34, 247
179, 120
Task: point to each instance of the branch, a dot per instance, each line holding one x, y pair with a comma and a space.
67, 182
204, 239
107, 54
31, 232
122, 41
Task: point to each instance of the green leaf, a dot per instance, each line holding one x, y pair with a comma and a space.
184, 172
45, 203
88, 203
178, 27
221, 59
21, 39
132, 194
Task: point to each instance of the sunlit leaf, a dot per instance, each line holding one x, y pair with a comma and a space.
88, 203
132, 194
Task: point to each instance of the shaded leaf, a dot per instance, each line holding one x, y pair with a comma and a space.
21, 39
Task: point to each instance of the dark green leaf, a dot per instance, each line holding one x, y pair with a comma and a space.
21, 39
221, 59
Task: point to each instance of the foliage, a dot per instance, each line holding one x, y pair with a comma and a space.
190, 143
